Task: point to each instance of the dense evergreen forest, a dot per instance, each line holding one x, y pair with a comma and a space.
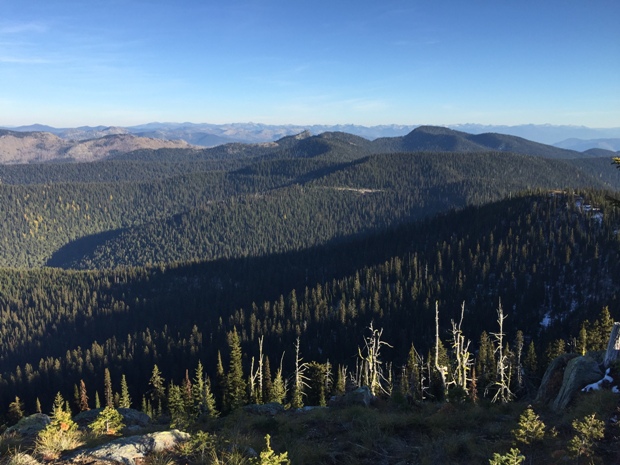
173, 259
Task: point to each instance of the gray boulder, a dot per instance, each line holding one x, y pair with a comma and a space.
552, 380
579, 372
30, 425
360, 396
127, 450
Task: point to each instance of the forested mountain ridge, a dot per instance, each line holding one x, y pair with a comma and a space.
155, 212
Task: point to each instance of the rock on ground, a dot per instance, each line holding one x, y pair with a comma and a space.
127, 450
30, 425
552, 380
360, 396
579, 372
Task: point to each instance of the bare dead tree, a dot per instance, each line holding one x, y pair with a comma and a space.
371, 361
255, 380
462, 355
502, 382
300, 382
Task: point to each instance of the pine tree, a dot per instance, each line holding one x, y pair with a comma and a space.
530, 364
187, 393
108, 422
236, 394
412, 371
177, 407
269, 457
83, 397
125, 399
278, 387
97, 401
198, 390
519, 343
485, 363
513, 457
60, 434
209, 399
316, 377
267, 380
157, 391
531, 429
107, 389
588, 431
37, 405
582, 340
16, 410
341, 380
220, 381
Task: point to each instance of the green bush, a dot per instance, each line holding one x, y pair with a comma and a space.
60, 435
108, 422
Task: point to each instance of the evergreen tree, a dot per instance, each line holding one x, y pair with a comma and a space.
530, 364
16, 410
107, 389
316, 383
531, 429
278, 388
267, 380
220, 379
588, 432
108, 422
485, 363
157, 389
236, 394
582, 340
83, 397
209, 400
125, 399
198, 390
177, 407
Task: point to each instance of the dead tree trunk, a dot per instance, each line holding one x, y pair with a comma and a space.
613, 347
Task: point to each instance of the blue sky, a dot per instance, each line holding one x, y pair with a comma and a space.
71, 63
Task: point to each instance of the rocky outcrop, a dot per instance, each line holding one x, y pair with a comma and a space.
579, 372
127, 450
30, 425
360, 396
552, 380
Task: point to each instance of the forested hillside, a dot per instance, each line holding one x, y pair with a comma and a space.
125, 213
131, 319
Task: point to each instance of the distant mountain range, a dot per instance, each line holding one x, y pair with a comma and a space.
33, 146
210, 135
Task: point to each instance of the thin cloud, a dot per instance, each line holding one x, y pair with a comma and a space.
7, 28
23, 61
